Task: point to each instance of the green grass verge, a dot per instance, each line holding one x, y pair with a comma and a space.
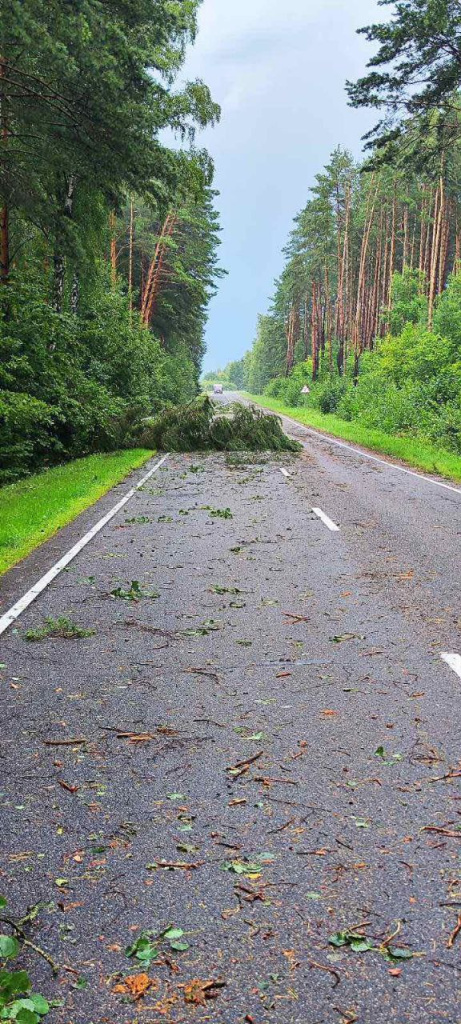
34, 509
417, 453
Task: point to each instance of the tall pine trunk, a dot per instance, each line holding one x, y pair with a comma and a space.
290, 357
4, 211
360, 309
436, 247
113, 248
130, 256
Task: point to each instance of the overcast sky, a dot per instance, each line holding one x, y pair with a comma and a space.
278, 68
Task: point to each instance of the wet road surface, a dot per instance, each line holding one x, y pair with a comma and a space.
265, 755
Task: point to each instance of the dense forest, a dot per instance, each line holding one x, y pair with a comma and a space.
108, 234
367, 310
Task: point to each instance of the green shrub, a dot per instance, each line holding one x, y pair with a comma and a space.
408, 301
25, 424
289, 389
73, 385
328, 393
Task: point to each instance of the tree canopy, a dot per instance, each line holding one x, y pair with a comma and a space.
103, 307
416, 72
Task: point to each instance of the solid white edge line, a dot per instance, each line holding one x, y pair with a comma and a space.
359, 451
49, 576
374, 458
326, 519
453, 660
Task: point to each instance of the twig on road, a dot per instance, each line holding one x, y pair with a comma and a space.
455, 933
64, 743
241, 767
454, 833
273, 831
330, 970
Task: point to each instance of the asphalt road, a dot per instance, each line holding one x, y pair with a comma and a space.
278, 724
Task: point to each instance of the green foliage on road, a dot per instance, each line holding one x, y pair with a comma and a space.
62, 628
18, 1001
413, 451
199, 426
33, 510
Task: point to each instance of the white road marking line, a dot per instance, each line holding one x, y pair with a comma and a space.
453, 660
49, 576
325, 519
382, 462
285, 472
365, 455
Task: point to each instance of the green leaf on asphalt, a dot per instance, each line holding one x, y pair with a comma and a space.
8, 946
173, 933
12, 983
398, 953
241, 868
40, 1004
389, 759
209, 626
222, 513
27, 1017
216, 589
134, 593
358, 943
143, 949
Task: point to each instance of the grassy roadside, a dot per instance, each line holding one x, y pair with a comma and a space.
417, 453
34, 509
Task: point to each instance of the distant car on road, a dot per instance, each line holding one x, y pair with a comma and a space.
218, 389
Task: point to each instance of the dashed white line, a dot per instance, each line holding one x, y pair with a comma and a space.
49, 576
285, 472
453, 660
326, 519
